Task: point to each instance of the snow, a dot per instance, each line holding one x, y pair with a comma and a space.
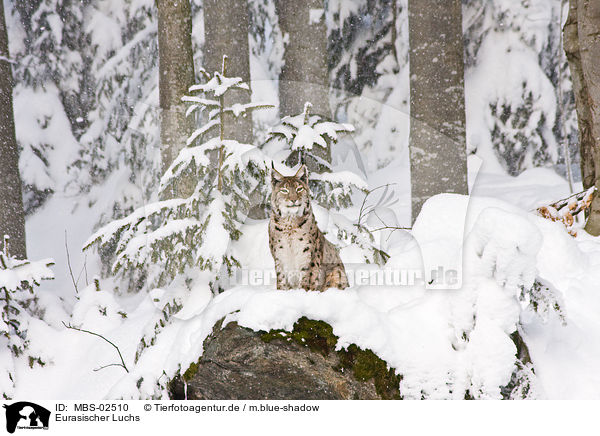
105, 30
446, 328
315, 15
392, 325
388, 319
108, 231
205, 128
305, 137
219, 84
503, 81
341, 177
41, 122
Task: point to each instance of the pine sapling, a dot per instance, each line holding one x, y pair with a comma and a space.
294, 141
18, 305
298, 137
183, 240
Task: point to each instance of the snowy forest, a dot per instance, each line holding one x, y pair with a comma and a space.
452, 155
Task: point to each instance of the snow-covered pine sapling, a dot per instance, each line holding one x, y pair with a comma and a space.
169, 236
295, 141
217, 86
18, 305
543, 299
300, 136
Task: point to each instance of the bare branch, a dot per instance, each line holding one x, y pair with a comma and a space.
69, 264
122, 364
390, 228
110, 364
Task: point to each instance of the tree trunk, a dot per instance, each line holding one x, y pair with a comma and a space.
12, 215
226, 26
437, 100
176, 74
305, 74
582, 47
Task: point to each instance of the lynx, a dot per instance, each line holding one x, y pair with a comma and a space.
303, 257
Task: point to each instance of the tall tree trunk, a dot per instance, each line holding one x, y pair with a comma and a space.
437, 100
582, 47
305, 74
176, 74
12, 215
226, 26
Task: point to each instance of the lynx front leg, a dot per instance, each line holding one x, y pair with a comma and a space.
306, 282
282, 282
317, 275
336, 278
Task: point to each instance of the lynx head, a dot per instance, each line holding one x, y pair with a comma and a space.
290, 195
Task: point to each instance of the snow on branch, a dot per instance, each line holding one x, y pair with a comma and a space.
215, 175
115, 228
18, 308
202, 130
304, 135
238, 109
304, 131
219, 84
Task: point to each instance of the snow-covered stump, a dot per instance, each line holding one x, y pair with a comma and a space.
303, 364
500, 265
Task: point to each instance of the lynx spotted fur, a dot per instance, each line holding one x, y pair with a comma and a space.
303, 257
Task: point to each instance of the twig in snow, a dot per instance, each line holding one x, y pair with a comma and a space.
366, 211
69, 264
122, 364
84, 269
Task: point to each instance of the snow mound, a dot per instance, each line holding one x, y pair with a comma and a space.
446, 344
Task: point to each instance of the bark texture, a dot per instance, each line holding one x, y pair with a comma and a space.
582, 47
176, 74
437, 100
305, 73
226, 26
304, 76
239, 363
12, 215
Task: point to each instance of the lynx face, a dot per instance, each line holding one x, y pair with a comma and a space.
290, 195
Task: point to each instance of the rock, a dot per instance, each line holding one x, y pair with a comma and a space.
241, 364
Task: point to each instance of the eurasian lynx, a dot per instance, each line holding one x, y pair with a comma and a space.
303, 257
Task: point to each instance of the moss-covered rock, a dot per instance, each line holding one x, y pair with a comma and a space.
239, 363
364, 364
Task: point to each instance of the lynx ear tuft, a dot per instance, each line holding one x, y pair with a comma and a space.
276, 176
302, 174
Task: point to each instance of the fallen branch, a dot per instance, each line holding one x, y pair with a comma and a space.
566, 209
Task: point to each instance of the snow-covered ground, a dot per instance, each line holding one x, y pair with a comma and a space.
416, 330
492, 240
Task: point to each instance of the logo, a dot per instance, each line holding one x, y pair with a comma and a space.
25, 415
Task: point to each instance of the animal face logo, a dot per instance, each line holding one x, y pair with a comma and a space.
26, 415
290, 197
